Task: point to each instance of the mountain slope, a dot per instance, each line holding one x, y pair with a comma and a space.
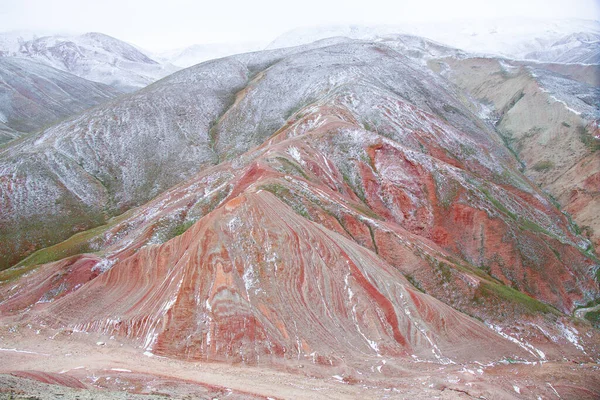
564, 40
33, 95
198, 53
581, 47
92, 56
332, 210
548, 115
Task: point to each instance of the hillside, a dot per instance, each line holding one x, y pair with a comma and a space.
92, 56
563, 40
363, 216
33, 95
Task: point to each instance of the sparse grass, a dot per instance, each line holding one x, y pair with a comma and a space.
77, 244
291, 167
285, 195
533, 227
277, 189
446, 192
363, 209
451, 109
524, 223
414, 282
498, 204
445, 272
556, 253
587, 138
181, 228
442, 270
508, 143
594, 318
358, 191
554, 202
467, 150
373, 239
494, 292
542, 166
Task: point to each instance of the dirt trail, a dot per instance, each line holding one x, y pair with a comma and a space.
114, 366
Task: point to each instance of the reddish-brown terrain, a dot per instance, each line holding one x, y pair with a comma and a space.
360, 225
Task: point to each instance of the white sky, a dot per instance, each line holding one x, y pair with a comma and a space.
168, 24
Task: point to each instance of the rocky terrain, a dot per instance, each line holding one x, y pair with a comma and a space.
369, 217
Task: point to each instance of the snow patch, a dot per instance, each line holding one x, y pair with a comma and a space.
103, 265
295, 154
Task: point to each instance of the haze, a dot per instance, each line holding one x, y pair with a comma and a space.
165, 25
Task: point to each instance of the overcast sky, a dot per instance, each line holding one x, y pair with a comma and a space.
161, 25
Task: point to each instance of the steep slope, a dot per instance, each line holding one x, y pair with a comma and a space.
548, 115
329, 210
263, 277
7, 133
250, 305
80, 175
33, 95
240, 263
105, 161
92, 56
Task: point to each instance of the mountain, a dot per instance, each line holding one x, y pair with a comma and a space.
195, 54
117, 155
92, 56
354, 214
548, 116
583, 48
565, 40
34, 95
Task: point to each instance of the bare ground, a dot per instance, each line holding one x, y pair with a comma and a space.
115, 368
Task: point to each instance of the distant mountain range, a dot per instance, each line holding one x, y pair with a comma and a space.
564, 41
93, 56
101, 58
192, 55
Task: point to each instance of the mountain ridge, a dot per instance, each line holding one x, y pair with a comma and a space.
34, 95
93, 56
346, 210
525, 39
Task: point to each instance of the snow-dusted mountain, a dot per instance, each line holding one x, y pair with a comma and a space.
195, 54
33, 95
582, 47
327, 207
567, 41
93, 56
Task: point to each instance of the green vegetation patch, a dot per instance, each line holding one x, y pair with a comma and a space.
79, 243
587, 138
490, 292
181, 228
498, 204
542, 166
524, 224
414, 282
594, 318
292, 168
284, 194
